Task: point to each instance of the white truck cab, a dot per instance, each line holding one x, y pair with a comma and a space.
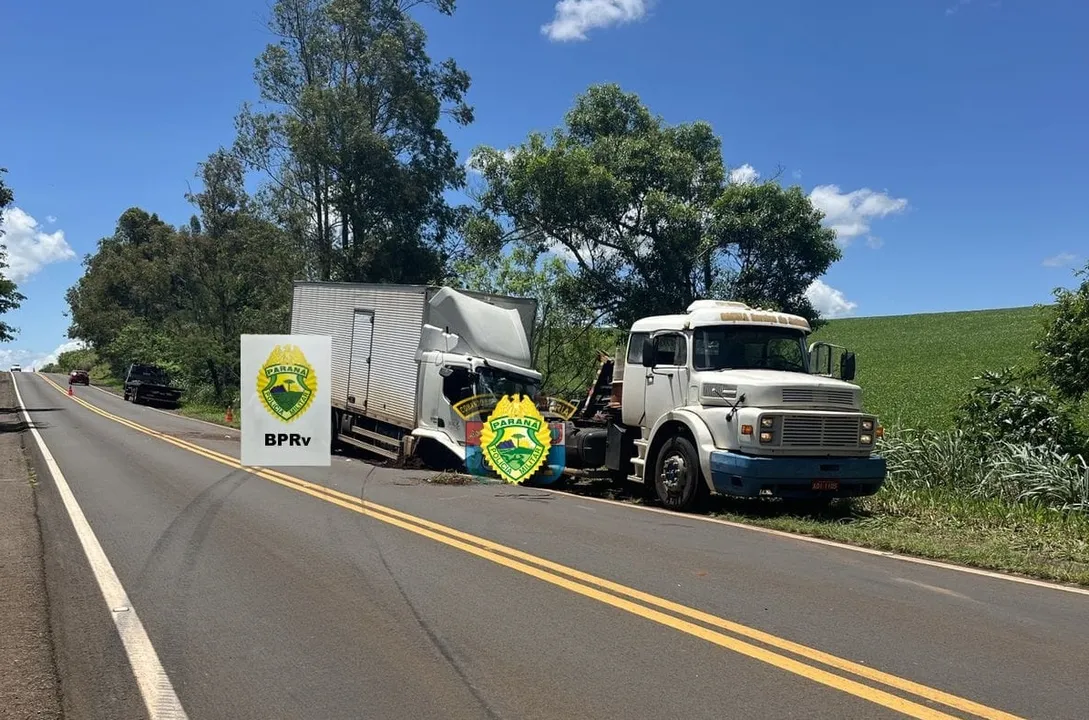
727, 398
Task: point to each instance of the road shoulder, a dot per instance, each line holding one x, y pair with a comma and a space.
29, 688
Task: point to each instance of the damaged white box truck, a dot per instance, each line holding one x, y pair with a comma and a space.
403, 355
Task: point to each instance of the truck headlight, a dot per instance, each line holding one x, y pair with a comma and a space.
865, 439
867, 425
765, 437
767, 422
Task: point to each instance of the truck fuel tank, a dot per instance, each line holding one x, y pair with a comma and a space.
585, 447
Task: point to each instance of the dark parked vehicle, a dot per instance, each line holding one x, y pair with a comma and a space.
79, 377
150, 384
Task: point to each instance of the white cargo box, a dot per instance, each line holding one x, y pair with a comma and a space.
376, 330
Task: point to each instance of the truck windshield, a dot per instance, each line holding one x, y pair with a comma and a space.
490, 381
749, 348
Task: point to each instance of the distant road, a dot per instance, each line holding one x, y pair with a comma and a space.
363, 592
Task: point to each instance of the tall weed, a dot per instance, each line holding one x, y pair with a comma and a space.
1014, 472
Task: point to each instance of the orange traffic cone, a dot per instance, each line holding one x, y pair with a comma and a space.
70, 389
230, 415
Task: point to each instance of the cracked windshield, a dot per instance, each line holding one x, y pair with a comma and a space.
544, 359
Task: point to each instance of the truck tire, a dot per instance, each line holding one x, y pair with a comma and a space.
678, 480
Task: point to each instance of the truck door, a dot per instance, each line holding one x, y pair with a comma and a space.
633, 392
359, 360
667, 382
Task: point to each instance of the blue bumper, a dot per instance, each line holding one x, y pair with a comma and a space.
793, 477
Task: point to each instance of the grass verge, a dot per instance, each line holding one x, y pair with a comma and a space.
211, 414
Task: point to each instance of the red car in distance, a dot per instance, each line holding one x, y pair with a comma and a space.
79, 377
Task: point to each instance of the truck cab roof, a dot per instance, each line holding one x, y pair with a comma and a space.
720, 312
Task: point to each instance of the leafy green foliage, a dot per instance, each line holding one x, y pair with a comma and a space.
1004, 407
350, 138
1064, 345
777, 246
10, 297
644, 214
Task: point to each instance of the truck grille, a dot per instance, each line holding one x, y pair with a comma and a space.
818, 396
820, 431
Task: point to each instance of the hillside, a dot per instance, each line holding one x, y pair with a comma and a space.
914, 369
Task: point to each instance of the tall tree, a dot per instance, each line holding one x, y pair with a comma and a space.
233, 274
10, 297
350, 137
181, 297
644, 213
125, 297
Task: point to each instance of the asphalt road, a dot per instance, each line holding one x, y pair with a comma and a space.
363, 592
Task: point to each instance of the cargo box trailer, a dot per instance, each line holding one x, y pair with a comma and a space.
403, 355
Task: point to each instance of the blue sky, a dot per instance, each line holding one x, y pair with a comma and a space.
945, 138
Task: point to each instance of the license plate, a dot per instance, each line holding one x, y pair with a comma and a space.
826, 484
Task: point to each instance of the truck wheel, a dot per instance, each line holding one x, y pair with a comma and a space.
677, 476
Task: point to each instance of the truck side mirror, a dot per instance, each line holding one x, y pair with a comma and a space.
649, 353
847, 366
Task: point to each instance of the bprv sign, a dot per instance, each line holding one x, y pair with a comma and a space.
286, 400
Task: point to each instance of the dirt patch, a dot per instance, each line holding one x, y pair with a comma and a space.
449, 478
28, 685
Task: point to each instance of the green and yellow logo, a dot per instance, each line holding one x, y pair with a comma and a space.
515, 439
286, 383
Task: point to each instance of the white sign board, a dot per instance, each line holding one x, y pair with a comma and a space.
285, 395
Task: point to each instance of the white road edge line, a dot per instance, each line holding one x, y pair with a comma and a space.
155, 687
782, 533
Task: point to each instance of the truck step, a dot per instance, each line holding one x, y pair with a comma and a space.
369, 447
377, 437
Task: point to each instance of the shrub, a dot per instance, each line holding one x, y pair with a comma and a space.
1004, 407
1064, 345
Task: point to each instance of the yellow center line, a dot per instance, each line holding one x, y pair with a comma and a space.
582, 583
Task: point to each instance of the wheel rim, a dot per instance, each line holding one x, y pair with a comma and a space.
675, 474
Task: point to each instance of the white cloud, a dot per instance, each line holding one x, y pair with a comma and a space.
62, 348
575, 17
1063, 259
17, 356
31, 359
850, 214
51, 219
874, 242
797, 174
744, 175
828, 301
29, 247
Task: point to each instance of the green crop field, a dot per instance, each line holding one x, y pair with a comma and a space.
914, 369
